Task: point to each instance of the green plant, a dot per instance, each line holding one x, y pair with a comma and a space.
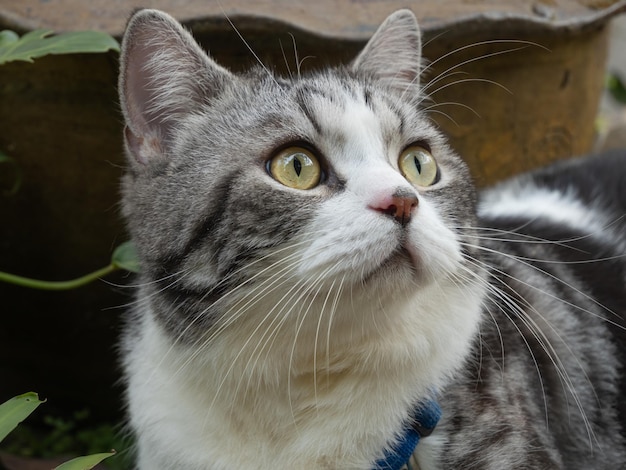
39, 43
17, 409
33, 45
124, 257
616, 88
36, 44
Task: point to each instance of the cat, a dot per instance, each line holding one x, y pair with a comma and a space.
318, 269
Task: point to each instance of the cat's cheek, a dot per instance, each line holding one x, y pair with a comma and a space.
347, 247
433, 246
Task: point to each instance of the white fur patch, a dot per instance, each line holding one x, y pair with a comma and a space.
198, 413
530, 202
428, 451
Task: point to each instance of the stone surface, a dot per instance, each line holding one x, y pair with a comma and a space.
351, 19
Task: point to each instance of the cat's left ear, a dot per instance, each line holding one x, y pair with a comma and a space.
393, 54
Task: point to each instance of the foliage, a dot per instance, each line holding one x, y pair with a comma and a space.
17, 409
35, 44
32, 45
39, 43
67, 435
616, 88
124, 257
85, 463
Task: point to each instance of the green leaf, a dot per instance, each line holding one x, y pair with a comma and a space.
17, 181
16, 410
125, 257
39, 43
85, 463
7, 36
616, 88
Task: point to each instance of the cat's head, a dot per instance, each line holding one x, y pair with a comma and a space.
277, 197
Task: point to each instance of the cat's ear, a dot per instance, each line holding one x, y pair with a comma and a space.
393, 54
164, 75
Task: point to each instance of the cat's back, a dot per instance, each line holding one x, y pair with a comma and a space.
585, 195
565, 222
552, 348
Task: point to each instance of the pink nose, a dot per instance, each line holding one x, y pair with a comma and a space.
400, 206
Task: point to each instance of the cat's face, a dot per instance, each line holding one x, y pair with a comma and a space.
257, 191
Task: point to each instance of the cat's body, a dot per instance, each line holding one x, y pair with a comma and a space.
311, 275
544, 387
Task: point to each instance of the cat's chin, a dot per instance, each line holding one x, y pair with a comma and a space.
403, 268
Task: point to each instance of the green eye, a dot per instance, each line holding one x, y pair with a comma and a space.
418, 166
296, 168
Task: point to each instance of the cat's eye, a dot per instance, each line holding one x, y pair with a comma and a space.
296, 167
418, 166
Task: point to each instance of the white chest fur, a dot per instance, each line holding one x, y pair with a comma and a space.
213, 409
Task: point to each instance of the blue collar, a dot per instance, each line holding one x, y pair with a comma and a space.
421, 424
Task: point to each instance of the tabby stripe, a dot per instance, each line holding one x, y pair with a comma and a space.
368, 98
393, 106
304, 106
219, 198
181, 306
176, 294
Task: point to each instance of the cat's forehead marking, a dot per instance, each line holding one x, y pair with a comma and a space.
362, 131
360, 135
351, 124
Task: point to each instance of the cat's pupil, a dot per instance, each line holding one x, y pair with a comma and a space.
418, 165
297, 166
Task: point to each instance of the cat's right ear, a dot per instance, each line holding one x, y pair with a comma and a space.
393, 54
164, 75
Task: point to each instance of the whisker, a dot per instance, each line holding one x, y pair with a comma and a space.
552, 276
299, 326
233, 318
445, 73
468, 80
546, 260
282, 50
254, 54
545, 344
278, 320
264, 289
526, 238
536, 331
333, 310
451, 103
484, 43
317, 333
445, 115
434, 38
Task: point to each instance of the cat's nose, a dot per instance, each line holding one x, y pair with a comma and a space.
400, 206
